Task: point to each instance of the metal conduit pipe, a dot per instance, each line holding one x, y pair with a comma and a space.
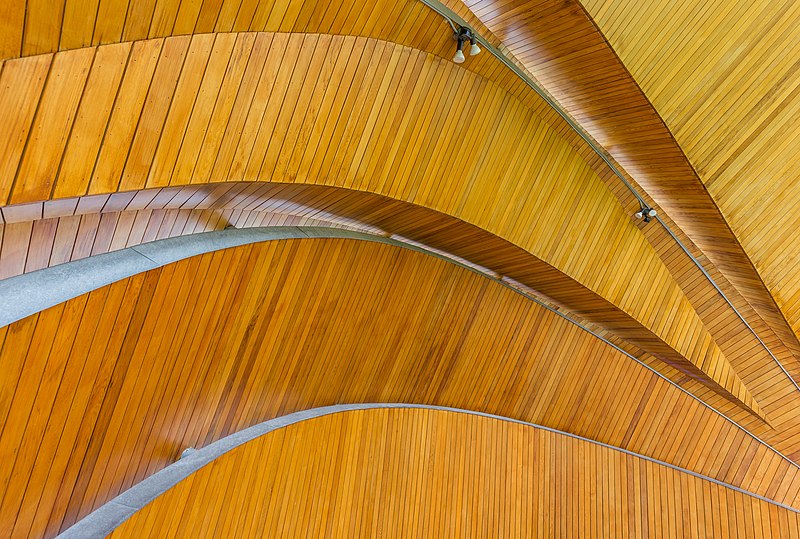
29, 293
453, 19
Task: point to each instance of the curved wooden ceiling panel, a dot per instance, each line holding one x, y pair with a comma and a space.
723, 76
33, 27
130, 374
75, 228
559, 44
380, 118
71, 24
351, 474
57, 231
353, 116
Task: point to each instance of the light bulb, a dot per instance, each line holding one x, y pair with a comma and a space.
638, 214
651, 212
474, 49
458, 57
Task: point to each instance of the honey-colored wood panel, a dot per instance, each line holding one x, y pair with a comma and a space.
154, 112
17, 111
563, 49
402, 21
91, 119
124, 118
219, 208
406, 21
183, 355
242, 205
12, 26
410, 23
109, 22
558, 179
416, 472
43, 23
730, 99
78, 23
51, 125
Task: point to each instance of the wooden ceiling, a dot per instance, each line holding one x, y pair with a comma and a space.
126, 121
723, 76
607, 91
129, 375
217, 118
356, 470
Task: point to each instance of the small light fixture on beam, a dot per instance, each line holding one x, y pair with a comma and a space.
645, 214
474, 49
462, 36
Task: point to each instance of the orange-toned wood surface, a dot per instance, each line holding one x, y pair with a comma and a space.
426, 473
411, 24
76, 228
406, 22
111, 386
726, 87
363, 97
562, 48
73, 228
235, 120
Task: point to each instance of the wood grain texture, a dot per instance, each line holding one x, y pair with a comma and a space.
353, 474
75, 228
350, 113
560, 45
127, 376
402, 21
85, 24
724, 77
406, 22
516, 177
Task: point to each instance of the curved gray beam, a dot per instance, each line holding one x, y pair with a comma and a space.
29, 293
33, 292
450, 16
106, 518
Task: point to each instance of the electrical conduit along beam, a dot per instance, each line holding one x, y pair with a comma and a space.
30, 293
108, 517
718, 247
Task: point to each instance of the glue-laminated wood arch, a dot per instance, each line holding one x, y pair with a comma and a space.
346, 471
127, 376
233, 107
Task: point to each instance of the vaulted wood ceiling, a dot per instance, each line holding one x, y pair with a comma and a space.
723, 77
221, 98
369, 462
130, 374
122, 122
656, 98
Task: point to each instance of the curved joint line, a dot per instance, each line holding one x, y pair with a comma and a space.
112, 514
451, 16
33, 292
